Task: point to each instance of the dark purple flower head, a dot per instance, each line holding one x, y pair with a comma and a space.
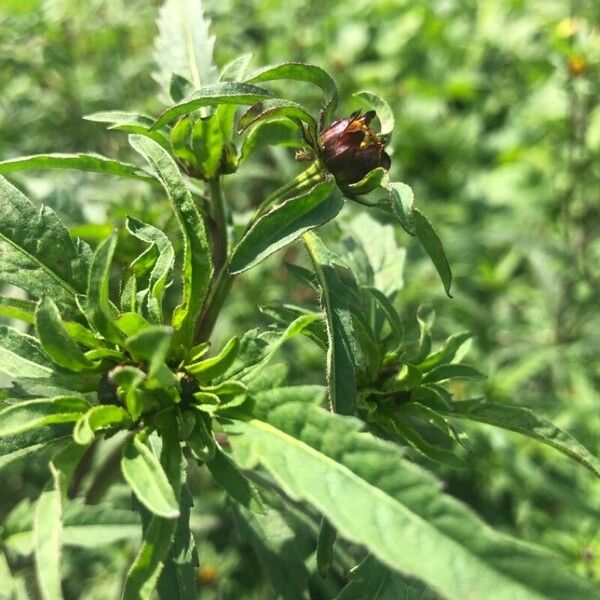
350, 149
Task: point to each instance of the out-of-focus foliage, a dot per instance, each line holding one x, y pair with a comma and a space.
497, 109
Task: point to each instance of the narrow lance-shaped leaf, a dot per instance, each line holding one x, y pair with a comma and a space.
37, 252
526, 422
286, 223
55, 339
94, 163
387, 499
302, 72
213, 95
158, 532
143, 472
130, 123
16, 308
433, 246
97, 303
343, 352
48, 527
275, 109
31, 414
197, 264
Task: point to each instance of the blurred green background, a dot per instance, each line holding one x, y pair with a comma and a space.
497, 108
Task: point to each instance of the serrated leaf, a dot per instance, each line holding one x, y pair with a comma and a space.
286, 223
433, 246
302, 72
343, 353
387, 498
213, 95
31, 414
184, 44
197, 263
55, 339
526, 422
37, 253
94, 163
145, 475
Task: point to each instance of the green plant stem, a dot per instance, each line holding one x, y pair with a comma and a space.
220, 224
301, 181
223, 280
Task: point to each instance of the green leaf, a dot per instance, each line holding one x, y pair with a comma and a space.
159, 533
31, 414
276, 109
130, 123
37, 253
15, 308
343, 353
446, 354
525, 422
144, 473
381, 107
98, 308
385, 497
371, 575
151, 345
275, 544
197, 264
235, 484
161, 269
210, 368
271, 133
402, 200
302, 72
48, 528
21, 355
97, 418
84, 526
325, 543
55, 339
390, 312
29, 442
452, 371
143, 575
285, 223
213, 95
94, 163
48, 543
201, 441
433, 246
184, 44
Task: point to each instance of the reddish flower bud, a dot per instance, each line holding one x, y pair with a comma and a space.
350, 149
